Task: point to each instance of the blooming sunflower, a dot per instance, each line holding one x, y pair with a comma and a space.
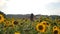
17, 33
14, 23
1, 18
45, 23
7, 23
57, 20
40, 27
55, 30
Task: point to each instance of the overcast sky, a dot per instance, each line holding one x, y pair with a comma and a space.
44, 7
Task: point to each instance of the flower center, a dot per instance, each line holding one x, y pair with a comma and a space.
15, 22
40, 27
55, 32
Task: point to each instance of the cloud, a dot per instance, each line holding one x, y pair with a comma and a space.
53, 8
29, 6
3, 5
53, 5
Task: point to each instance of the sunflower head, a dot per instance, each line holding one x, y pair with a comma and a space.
17, 33
15, 23
40, 27
43, 22
1, 18
55, 30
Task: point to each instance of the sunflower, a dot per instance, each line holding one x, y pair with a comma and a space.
17, 33
45, 23
40, 27
57, 20
14, 22
1, 18
7, 23
55, 30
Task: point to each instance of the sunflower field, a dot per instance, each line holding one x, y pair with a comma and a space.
41, 25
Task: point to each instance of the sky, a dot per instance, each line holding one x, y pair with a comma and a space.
43, 7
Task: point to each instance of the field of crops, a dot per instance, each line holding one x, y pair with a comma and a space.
41, 25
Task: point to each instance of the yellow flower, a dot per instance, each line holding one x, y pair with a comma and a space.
1, 18
40, 27
14, 22
7, 23
55, 30
45, 23
57, 21
17, 33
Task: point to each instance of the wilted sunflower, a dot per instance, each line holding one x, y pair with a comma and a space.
40, 27
55, 30
1, 18
17, 33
